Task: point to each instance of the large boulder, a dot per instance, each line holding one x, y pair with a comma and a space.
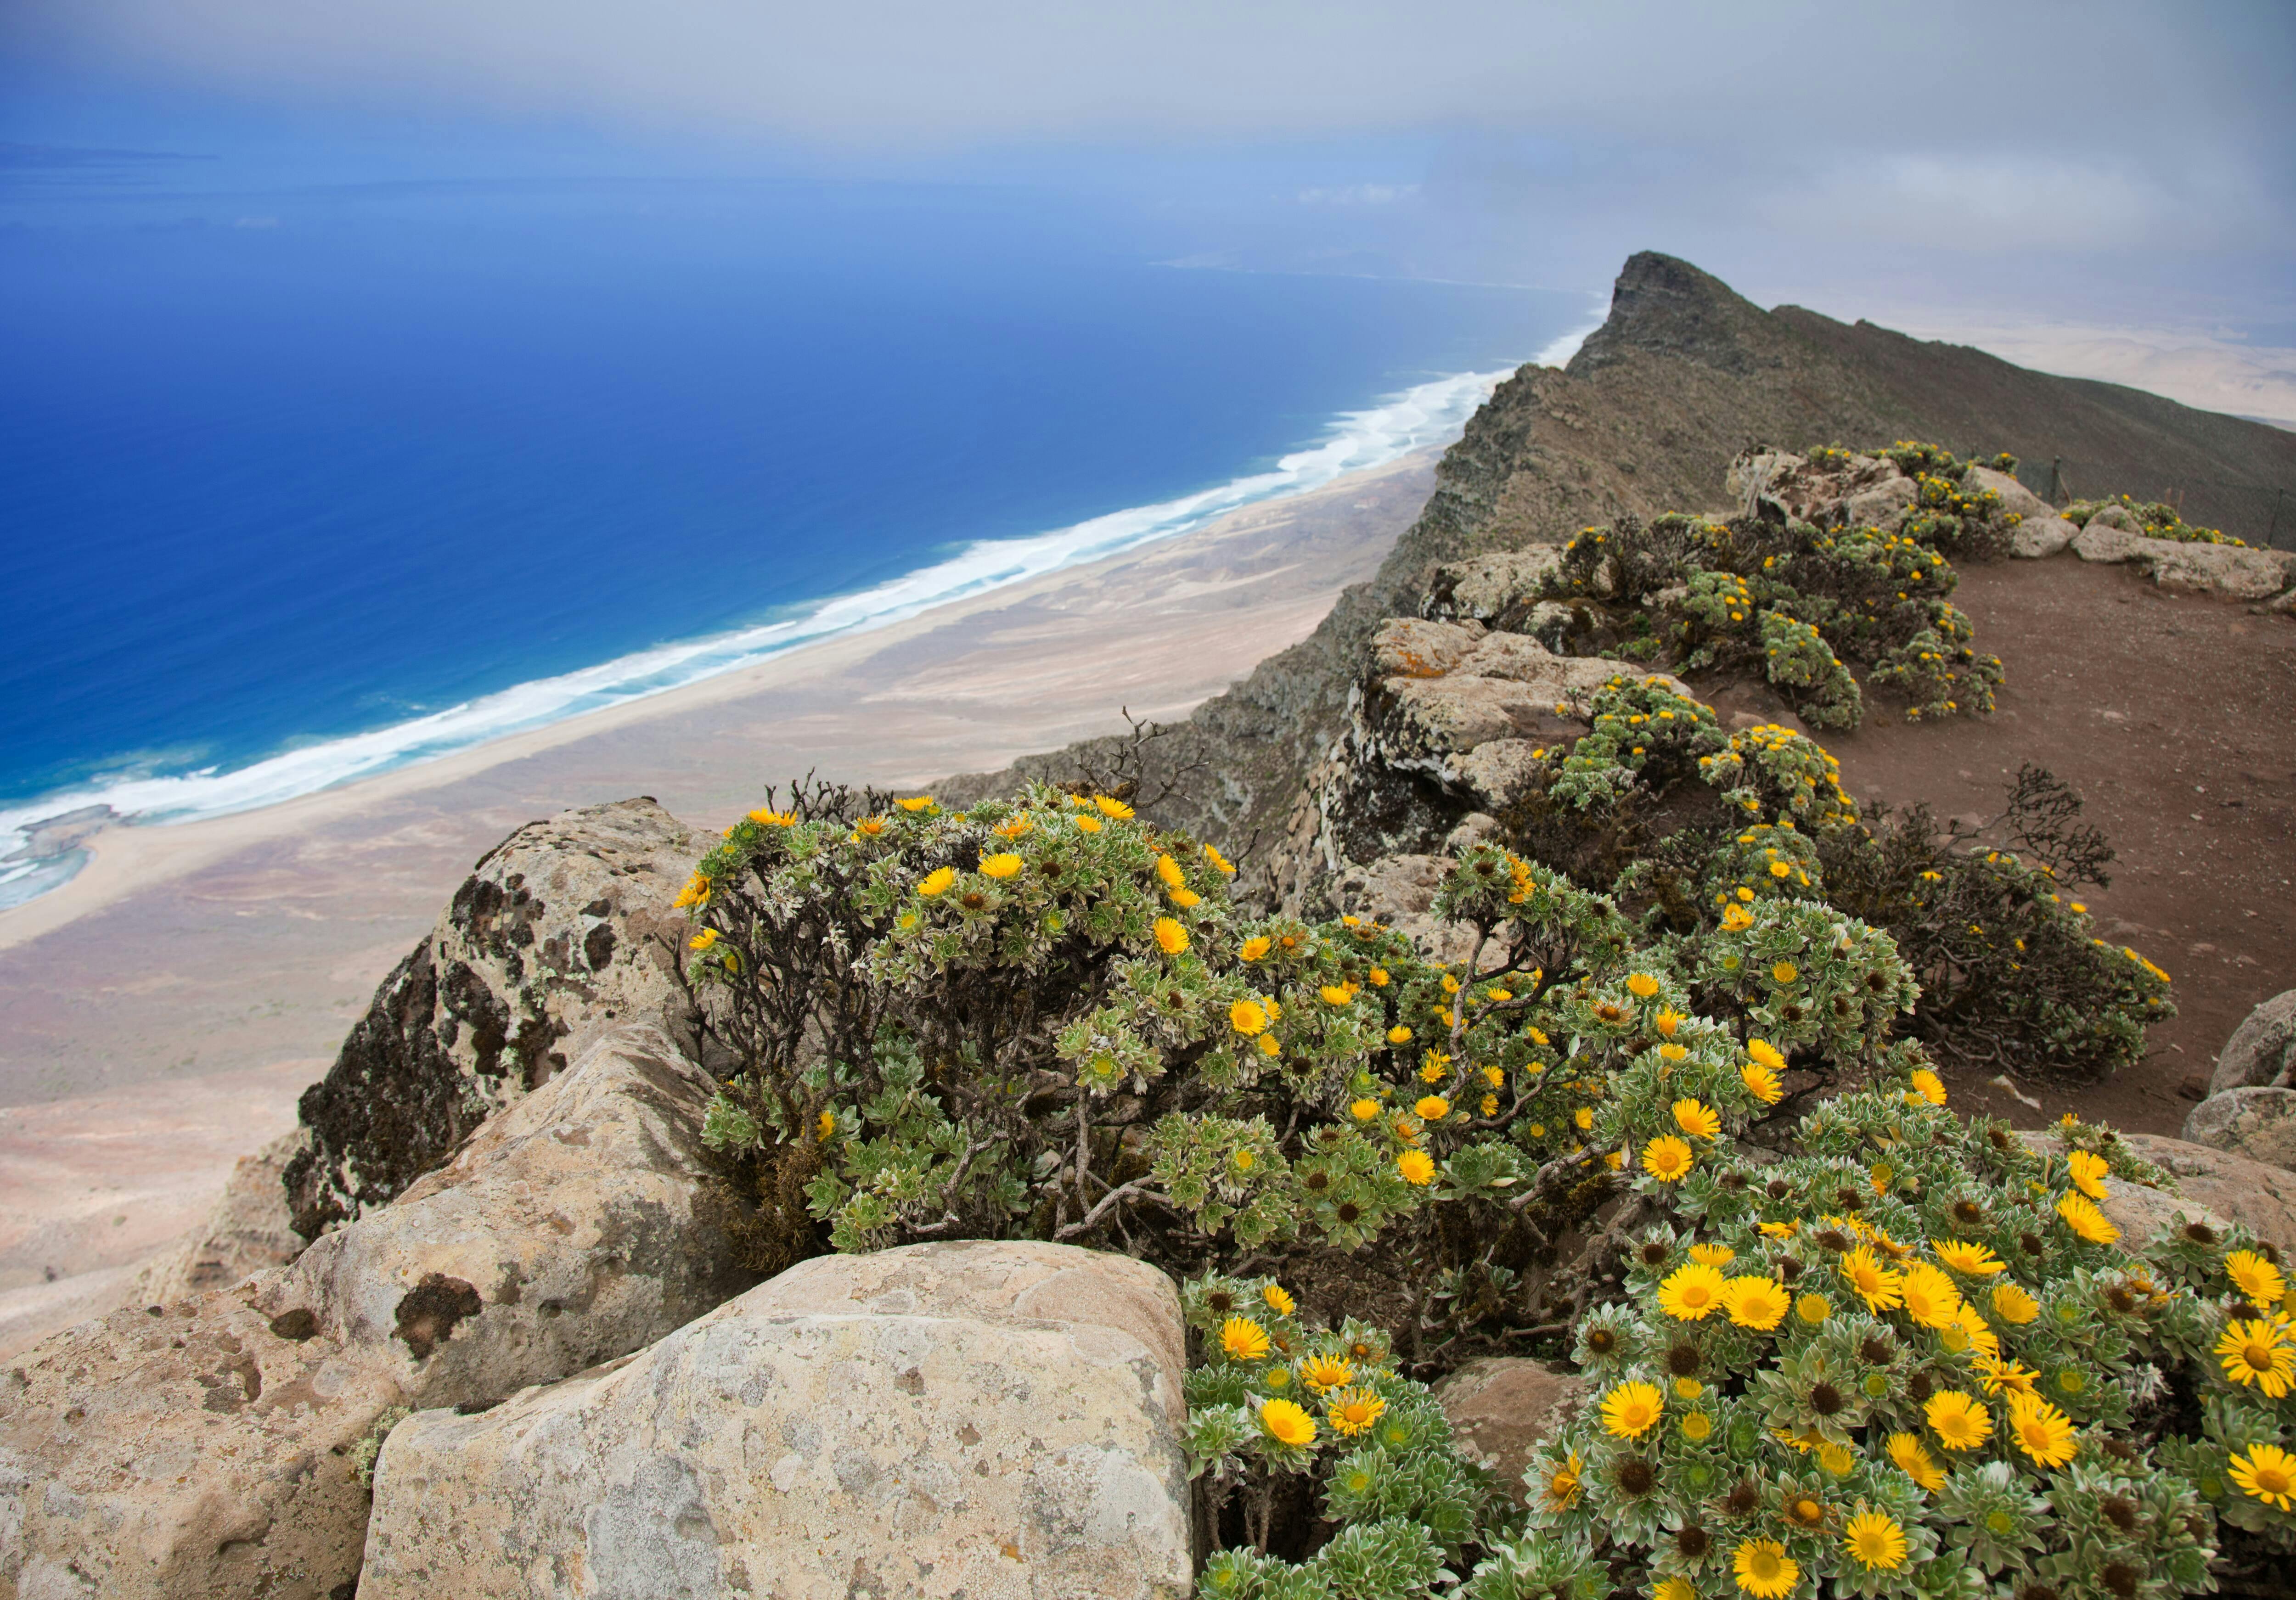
2224, 569
2037, 538
562, 930
2110, 541
207, 1447
2261, 1053
1499, 589
957, 1419
2259, 1123
1502, 1407
2016, 499
2228, 1185
1883, 505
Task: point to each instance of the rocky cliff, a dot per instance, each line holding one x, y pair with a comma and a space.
1684, 376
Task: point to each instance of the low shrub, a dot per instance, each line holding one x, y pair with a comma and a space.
2158, 518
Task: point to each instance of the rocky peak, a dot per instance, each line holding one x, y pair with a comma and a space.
1665, 306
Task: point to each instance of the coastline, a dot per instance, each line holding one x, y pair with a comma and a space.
220, 962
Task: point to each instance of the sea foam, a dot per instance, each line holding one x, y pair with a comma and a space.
39, 841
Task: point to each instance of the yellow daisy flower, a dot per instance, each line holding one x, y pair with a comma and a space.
1631, 1410
1697, 1118
1905, 1449
1960, 1421
2267, 1474
1876, 1540
937, 882
2255, 1277
1416, 1167
2080, 1215
2088, 1171
1755, 1302
1667, 1158
1691, 1292
2041, 1431
1353, 1411
1001, 865
2255, 1355
1172, 938
1764, 1570
1243, 1339
1964, 1256
1286, 1423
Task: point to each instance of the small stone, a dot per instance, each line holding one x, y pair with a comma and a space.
2259, 1123
1502, 1407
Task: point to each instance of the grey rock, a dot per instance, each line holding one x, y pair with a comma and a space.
977, 1418
207, 1450
1883, 506
2257, 1123
1502, 1407
2016, 499
2233, 1186
2117, 517
1503, 584
1500, 771
562, 930
2103, 541
1476, 827
2225, 570
2038, 538
2261, 1053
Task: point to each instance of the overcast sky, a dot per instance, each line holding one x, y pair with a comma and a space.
2103, 187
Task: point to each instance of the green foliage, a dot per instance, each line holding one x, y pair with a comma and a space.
1798, 603
2158, 518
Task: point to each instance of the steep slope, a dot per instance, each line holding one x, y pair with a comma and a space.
1684, 374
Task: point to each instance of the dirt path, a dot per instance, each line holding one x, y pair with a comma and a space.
2174, 719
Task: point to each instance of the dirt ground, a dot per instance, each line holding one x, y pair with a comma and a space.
2174, 719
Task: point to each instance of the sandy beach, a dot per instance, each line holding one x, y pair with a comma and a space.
160, 1013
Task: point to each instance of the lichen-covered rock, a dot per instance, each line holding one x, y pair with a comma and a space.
2016, 499
2257, 1123
2103, 541
2225, 570
976, 1419
1399, 892
1499, 589
2037, 538
1502, 1407
2118, 518
561, 931
1415, 647
209, 1450
2261, 1053
248, 1230
1883, 506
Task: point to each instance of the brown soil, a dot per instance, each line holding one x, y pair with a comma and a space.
2171, 715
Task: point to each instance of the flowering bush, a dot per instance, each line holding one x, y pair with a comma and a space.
1797, 602
2158, 518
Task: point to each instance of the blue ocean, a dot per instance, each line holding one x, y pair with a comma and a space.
297, 488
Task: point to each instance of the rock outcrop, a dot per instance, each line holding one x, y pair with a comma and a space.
2261, 1053
2256, 1122
207, 1447
959, 1419
1502, 1407
2213, 1188
561, 931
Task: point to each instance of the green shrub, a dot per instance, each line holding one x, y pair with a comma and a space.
2158, 518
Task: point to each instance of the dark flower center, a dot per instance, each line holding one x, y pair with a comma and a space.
1743, 1500
1835, 1239
2121, 1579
2030, 1244
1635, 1477
1682, 1360
1692, 1541
1349, 1211
1875, 1350
1602, 1341
1789, 1269
1655, 1254
1825, 1399
1319, 1180
1920, 1388
1777, 1188
2120, 1300
1968, 1212
2121, 1513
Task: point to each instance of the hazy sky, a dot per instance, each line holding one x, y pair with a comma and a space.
2107, 187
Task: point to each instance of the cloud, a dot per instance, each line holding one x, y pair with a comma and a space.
1358, 194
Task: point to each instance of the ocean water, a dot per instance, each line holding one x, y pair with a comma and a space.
339, 484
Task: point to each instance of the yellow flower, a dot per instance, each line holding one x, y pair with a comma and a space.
1243, 1339
1767, 1053
1168, 870
1353, 1411
1562, 1483
1280, 1302
1378, 976
1090, 825
1000, 866
2254, 1276
1399, 1034
824, 1125
1642, 985
703, 940
1813, 1308
2081, 1216
1220, 864
1496, 1077
1110, 806
1928, 1295
1876, 1541
922, 802
1697, 1118
1015, 828
1691, 1292
2267, 1473
1364, 1111
1323, 1373
1713, 1255
1667, 1158
773, 819
696, 892
869, 827
1491, 1105
1697, 1427
1673, 1587
1268, 1044
1915, 1462
1336, 993
1779, 1230
1631, 1410
1876, 1284
1973, 1260
1755, 1301
1170, 937
1929, 1085
1838, 1459
2254, 1355
1434, 1108
1417, 1168
2041, 1431
1247, 1017
1584, 1117
1764, 1570
1736, 919
2013, 1305
1252, 949
1762, 1083
1450, 984
2088, 1171
1998, 1375
937, 882
1958, 1420
1286, 1423
1186, 898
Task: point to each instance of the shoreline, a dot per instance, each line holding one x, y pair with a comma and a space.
124, 857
